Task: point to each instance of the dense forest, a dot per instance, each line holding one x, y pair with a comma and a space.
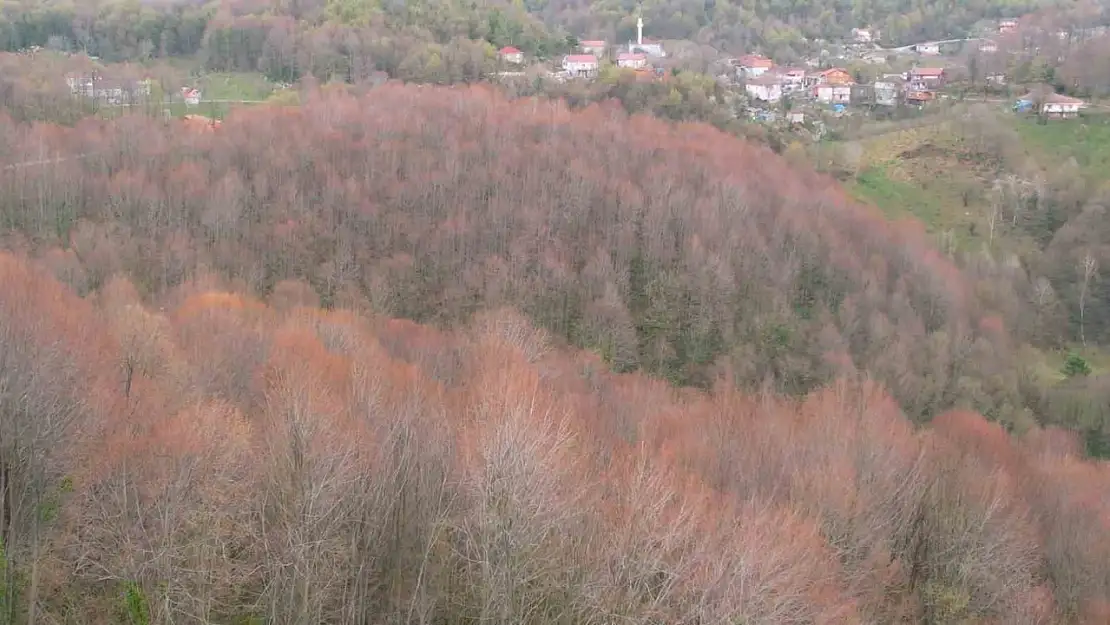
417, 38
673, 249
781, 27
204, 456
405, 353
431, 40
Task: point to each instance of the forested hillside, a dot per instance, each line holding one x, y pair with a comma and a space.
429, 40
438, 39
673, 249
780, 27
469, 356
210, 457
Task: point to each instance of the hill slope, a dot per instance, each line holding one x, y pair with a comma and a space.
676, 249
225, 459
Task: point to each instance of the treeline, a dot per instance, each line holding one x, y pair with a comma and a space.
673, 249
443, 41
781, 28
208, 457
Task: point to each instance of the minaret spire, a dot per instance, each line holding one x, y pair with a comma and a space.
640, 25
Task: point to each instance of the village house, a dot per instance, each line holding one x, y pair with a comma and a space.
833, 93
580, 65
926, 78
888, 90
108, 90
988, 46
832, 76
753, 66
594, 47
1055, 105
793, 79
191, 96
878, 57
796, 117
1007, 25
632, 60
767, 88
928, 49
864, 35
919, 97
512, 55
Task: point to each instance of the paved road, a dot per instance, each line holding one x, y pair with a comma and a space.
879, 48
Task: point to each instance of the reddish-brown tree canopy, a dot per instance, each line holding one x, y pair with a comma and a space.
672, 248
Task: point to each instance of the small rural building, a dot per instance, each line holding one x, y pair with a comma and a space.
594, 47
927, 77
580, 65
833, 76
191, 96
767, 88
1054, 105
752, 66
793, 79
1007, 25
864, 35
109, 90
919, 97
632, 60
988, 46
928, 49
512, 55
888, 91
833, 93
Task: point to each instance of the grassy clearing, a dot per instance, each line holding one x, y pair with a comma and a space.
1086, 139
895, 197
235, 86
215, 110
925, 173
1050, 364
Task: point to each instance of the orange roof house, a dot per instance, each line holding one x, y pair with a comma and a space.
835, 76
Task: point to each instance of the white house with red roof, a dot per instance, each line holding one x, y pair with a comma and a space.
191, 96
926, 77
632, 60
1056, 105
831, 76
512, 55
753, 65
580, 65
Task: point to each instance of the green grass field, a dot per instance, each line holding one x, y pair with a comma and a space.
235, 86
1086, 139
923, 173
895, 197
